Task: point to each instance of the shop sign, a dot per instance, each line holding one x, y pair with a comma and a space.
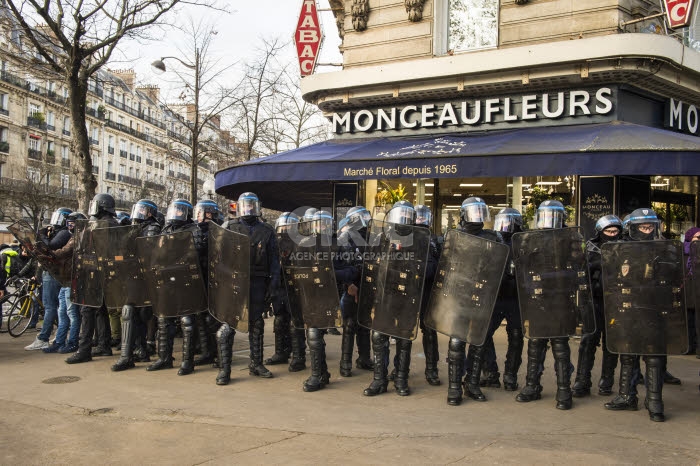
574, 104
678, 12
681, 117
308, 37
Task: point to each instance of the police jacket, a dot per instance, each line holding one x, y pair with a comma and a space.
150, 227
56, 239
264, 253
509, 287
347, 261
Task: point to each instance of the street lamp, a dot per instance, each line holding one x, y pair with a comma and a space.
158, 66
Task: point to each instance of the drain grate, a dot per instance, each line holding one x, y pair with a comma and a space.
61, 379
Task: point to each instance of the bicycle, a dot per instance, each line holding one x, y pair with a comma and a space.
23, 309
8, 299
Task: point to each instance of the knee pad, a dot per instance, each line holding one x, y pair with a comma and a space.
187, 323
127, 312
224, 332
457, 345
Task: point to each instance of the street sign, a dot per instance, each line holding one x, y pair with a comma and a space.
308, 37
678, 12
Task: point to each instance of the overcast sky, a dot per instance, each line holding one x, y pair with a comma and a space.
238, 37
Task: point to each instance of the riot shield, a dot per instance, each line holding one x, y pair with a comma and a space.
117, 260
393, 275
554, 289
88, 279
27, 238
172, 274
643, 295
694, 283
309, 276
229, 276
466, 286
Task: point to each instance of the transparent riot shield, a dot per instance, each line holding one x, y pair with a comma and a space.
88, 279
554, 289
466, 286
393, 275
172, 274
58, 269
644, 299
309, 276
229, 276
119, 263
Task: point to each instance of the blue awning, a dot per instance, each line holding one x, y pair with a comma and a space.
304, 176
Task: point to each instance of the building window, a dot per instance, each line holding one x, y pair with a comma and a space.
4, 103
65, 154
35, 144
122, 170
109, 190
33, 175
34, 109
463, 25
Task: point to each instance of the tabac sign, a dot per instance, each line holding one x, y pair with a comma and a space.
678, 12
308, 37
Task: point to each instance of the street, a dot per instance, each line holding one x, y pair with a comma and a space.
138, 417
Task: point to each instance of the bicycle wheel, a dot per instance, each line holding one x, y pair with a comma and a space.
20, 315
6, 304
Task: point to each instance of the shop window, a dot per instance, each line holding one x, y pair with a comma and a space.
464, 25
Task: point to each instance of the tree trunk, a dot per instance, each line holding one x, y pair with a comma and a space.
193, 168
81, 143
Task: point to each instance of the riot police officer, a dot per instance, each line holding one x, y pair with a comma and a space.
607, 228
352, 236
398, 217
507, 222
134, 321
550, 215
643, 226
473, 212
264, 281
177, 218
101, 209
288, 339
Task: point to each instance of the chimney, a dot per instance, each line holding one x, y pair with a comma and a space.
151, 90
128, 76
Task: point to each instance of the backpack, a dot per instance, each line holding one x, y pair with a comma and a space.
11, 262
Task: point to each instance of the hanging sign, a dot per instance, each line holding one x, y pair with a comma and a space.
678, 12
308, 37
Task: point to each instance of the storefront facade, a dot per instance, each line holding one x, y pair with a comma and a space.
606, 121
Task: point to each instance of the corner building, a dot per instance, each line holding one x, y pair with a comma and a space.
595, 102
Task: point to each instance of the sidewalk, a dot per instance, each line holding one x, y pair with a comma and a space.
138, 417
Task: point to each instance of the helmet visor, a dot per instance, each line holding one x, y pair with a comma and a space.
141, 211
176, 212
549, 218
401, 215
249, 207
476, 213
504, 223
58, 218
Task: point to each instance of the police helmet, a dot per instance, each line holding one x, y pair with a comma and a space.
357, 216
143, 209
58, 218
322, 223
644, 225
101, 203
550, 214
424, 216
608, 221
508, 220
475, 210
179, 210
401, 215
204, 207
249, 205
285, 221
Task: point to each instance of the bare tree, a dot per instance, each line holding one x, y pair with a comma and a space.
76, 38
205, 99
261, 82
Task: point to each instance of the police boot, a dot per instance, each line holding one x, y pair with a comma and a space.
472, 387
380, 349
282, 343
607, 372
403, 353
87, 329
187, 366
126, 360
432, 356
536, 350
455, 369
562, 368
364, 360
298, 340
347, 347
208, 346
166, 335
255, 338
514, 358
490, 376
627, 397
656, 367
224, 337
320, 377
586, 358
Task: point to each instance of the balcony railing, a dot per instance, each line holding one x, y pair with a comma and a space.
50, 157
134, 112
66, 132
36, 122
152, 185
171, 173
110, 150
149, 162
130, 180
50, 127
95, 170
138, 159
5, 147
26, 186
132, 157
183, 176
65, 163
34, 154
96, 90
4, 111
136, 133
31, 87
110, 176
94, 142
95, 113
122, 153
